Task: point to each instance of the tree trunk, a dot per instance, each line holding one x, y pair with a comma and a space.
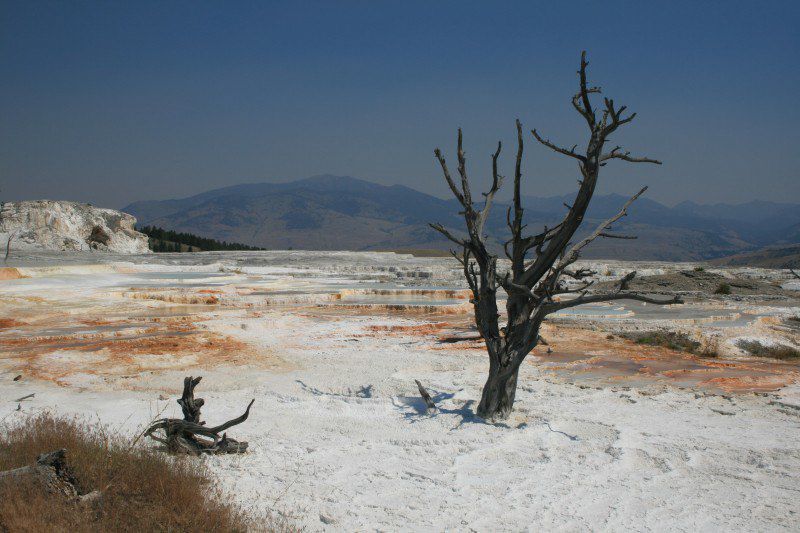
497, 398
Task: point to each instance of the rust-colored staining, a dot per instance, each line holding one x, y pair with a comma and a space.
8, 273
588, 355
96, 322
6, 323
749, 383
165, 344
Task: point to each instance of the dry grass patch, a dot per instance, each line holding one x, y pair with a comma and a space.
775, 351
143, 489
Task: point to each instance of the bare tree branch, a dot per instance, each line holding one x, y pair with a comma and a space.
497, 181
462, 170
570, 152
615, 236
447, 177
626, 156
571, 256
587, 113
441, 229
596, 298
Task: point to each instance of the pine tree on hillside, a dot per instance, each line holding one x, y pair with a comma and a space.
162, 240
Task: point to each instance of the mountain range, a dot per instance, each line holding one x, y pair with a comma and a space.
344, 213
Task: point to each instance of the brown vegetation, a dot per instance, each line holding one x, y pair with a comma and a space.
775, 351
141, 489
668, 339
419, 329
175, 297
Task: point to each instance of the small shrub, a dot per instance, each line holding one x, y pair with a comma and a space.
143, 489
710, 347
668, 339
722, 288
775, 351
699, 269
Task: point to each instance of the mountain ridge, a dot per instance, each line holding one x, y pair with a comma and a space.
343, 212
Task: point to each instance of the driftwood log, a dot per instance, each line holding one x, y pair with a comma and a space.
53, 473
190, 435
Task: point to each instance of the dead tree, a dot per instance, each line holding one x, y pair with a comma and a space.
540, 263
190, 435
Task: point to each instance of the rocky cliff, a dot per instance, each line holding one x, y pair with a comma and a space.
56, 225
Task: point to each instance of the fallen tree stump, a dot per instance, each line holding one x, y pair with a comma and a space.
53, 473
190, 435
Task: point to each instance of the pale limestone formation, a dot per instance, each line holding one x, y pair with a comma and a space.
60, 225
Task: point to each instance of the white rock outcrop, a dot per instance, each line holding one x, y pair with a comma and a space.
58, 225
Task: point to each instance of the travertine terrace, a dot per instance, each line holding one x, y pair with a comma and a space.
605, 431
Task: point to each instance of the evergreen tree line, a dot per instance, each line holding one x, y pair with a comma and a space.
162, 240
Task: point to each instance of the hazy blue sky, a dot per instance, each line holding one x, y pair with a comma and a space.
112, 102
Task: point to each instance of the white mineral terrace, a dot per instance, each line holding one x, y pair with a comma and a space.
606, 434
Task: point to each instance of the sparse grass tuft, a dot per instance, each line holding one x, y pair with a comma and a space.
775, 351
143, 489
723, 288
680, 342
699, 269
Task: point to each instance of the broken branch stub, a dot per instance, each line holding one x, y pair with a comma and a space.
190, 435
430, 407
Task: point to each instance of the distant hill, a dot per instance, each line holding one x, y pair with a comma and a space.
778, 256
340, 212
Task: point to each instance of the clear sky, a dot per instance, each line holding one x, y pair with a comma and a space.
115, 101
